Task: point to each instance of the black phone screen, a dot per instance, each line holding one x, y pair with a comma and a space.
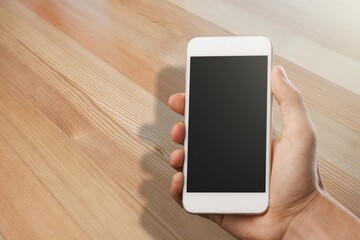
227, 124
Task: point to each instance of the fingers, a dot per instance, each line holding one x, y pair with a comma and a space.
177, 159
177, 102
178, 133
176, 187
293, 112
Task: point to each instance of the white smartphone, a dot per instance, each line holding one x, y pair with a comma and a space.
228, 125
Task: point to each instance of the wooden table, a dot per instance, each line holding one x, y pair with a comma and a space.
84, 125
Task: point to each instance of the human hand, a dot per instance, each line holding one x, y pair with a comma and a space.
294, 183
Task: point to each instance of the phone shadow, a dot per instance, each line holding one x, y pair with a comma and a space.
161, 217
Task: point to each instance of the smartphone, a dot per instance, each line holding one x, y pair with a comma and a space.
228, 125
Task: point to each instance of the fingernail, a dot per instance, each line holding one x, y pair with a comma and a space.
283, 73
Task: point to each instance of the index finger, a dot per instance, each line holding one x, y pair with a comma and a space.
177, 102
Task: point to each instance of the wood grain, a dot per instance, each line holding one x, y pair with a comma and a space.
327, 38
25, 201
84, 126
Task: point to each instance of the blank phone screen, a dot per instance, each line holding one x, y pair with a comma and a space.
227, 124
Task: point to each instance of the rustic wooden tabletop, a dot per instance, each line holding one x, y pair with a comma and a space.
84, 125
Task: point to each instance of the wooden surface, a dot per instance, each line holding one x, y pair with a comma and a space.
84, 126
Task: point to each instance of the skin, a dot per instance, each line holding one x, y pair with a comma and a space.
297, 197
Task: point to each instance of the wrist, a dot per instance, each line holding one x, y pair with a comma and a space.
323, 218
309, 216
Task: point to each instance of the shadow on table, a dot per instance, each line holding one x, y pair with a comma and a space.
155, 188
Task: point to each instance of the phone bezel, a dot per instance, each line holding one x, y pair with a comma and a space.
229, 203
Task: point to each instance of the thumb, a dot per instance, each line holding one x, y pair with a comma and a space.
294, 115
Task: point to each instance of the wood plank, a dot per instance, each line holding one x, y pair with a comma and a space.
84, 124
299, 19
344, 110
120, 49
83, 188
242, 18
141, 162
353, 110
25, 200
95, 68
